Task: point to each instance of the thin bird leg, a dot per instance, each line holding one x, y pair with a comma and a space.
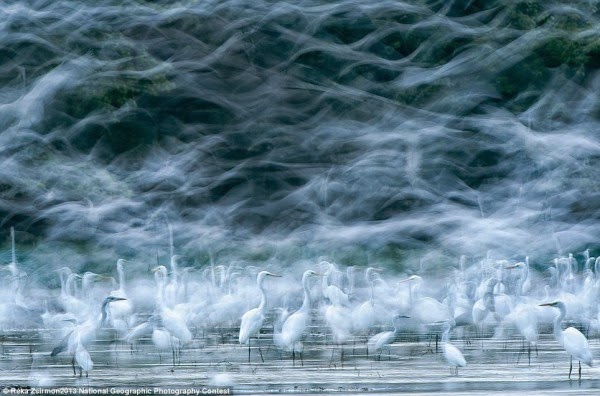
301, 359
529, 353
332, 353
249, 350
73, 364
261, 355
571, 367
293, 357
580, 370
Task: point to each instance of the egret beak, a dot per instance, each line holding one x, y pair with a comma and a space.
155, 269
275, 275
547, 305
512, 266
118, 299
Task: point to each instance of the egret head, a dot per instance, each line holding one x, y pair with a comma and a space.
263, 274
415, 278
517, 265
308, 274
552, 304
110, 299
160, 270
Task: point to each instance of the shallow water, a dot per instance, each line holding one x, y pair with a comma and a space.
410, 365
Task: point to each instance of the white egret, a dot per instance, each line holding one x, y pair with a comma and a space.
67, 299
571, 339
364, 316
339, 319
452, 354
79, 339
331, 292
172, 320
252, 320
120, 312
384, 338
525, 314
426, 310
173, 291
296, 323
484, 305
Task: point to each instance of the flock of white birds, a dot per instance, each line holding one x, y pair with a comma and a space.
169, 305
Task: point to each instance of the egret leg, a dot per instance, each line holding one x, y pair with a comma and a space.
249, 350
571, 367
261, 355
332, 353
580, 370
73, 364
301, 359
293, 357
529, 353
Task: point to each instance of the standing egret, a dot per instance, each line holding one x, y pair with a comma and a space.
78, 340
365, 316
252, 320
385, 338
296, 323
331, 292
452, 354
174, 321
571, 339
120, 311
426, 310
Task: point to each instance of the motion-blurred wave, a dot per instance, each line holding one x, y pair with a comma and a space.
402, 133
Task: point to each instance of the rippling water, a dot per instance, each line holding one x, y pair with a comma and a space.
270, 133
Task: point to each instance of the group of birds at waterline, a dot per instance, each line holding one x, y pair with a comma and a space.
490, 294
